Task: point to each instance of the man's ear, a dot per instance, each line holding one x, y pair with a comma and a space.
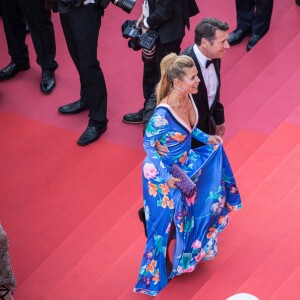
204, 42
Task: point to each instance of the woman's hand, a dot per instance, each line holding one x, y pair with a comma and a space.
172, 181
214, 139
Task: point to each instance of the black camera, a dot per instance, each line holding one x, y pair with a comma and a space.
126, 5
138, 40
63, 6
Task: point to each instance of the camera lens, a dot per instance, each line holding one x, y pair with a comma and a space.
126, 5
132, 43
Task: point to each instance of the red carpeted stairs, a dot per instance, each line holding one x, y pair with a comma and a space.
71, 212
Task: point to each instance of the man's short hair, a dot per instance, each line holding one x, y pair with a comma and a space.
207, 29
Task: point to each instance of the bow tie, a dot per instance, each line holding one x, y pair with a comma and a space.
208, 62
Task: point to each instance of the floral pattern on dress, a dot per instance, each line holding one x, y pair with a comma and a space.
197, 220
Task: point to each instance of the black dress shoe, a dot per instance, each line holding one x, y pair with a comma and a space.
12, 70
254, 38
134, 118
48, 81
141, 213
237, 36
73, 108
90, 135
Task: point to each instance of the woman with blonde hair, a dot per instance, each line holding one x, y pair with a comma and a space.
198, 217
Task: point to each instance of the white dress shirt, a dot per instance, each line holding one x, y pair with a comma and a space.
209, 75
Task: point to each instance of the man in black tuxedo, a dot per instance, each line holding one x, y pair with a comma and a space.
42, 34
169, 18
253, 18
209, 48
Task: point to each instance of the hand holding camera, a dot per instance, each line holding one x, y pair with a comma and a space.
138, 39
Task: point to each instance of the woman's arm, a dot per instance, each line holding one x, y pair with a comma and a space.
158, 126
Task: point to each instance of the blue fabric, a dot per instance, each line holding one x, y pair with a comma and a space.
198, 220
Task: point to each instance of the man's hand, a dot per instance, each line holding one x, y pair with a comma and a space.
162, 150
220, 129
139, 22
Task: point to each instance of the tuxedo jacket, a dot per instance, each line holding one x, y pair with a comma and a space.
170, 17
208, 117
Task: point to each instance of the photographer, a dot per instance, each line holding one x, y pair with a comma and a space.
81, 21
169, 19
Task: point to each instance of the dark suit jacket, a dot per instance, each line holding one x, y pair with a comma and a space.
169, 18
208, 118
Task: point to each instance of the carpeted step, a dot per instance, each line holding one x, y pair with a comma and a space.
242, 146
83, 238
289, 288
110, 266
236, 57
265, 214
278, 107
294, 117
283, 31
257, 97
285, 258
266, 158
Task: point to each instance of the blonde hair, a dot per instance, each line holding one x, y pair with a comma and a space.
171, 67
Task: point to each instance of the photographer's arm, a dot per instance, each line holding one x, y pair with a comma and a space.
162, 14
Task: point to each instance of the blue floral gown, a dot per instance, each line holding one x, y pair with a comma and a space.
198, 220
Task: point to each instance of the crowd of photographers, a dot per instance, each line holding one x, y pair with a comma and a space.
159, 31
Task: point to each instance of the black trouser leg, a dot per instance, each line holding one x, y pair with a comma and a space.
244, 13
15, 31
41, 30
81, 28
262, 17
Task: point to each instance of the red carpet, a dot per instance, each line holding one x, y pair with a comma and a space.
71, 212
